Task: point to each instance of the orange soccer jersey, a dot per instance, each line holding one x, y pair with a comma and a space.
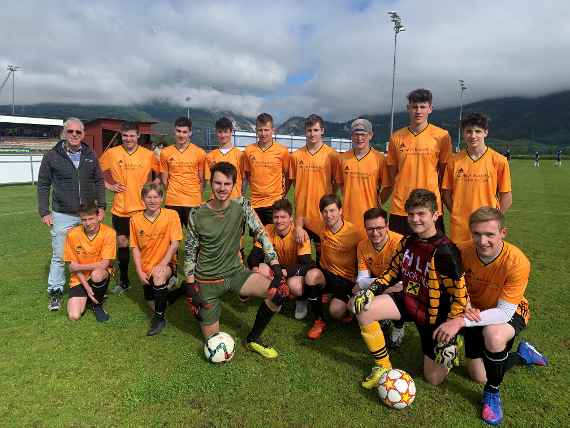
185, 174
314, 176
267, 172
133, 170
80, 249
361, 180
474, 184
377, 261
234, 156
153, 238
417, 158
504, 278
286, 247
338, 250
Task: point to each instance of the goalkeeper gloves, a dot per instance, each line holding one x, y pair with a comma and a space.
362, 300
447, 354
278, 290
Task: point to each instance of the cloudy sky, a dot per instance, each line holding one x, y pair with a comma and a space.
285, 57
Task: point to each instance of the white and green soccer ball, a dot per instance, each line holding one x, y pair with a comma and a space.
219, 348
396, 389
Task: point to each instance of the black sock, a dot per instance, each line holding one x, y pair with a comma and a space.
514, 359
124, 256
264, 315
314, 297
160, 300
495, 363
99, 290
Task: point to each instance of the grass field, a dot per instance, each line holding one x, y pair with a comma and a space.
58, 373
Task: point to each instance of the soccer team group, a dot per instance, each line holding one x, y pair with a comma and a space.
384, 270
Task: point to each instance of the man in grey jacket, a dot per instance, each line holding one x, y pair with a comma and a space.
70, 170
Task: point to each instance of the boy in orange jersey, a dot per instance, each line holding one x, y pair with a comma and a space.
155, 236
90, 249
126, 169
339, 240
423, 284
182, 171
312, 171
294, 258
374, 256
475, 177
361, 175
496, 274
266, 168
226, 152
417, 156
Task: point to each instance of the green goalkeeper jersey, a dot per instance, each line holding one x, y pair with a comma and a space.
212, 245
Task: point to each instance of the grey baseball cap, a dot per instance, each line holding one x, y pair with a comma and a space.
361, 125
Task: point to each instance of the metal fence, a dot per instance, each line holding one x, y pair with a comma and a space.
19, 166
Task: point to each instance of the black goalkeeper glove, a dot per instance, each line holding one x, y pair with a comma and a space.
278, 290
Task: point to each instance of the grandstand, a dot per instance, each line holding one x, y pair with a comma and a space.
35, 133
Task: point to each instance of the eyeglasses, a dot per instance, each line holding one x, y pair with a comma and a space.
74, 131
375, 229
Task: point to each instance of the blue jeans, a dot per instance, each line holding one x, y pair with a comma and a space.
62, 223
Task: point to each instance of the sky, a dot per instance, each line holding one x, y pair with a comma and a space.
289, 58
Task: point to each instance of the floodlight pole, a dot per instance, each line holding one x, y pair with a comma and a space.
398, 27
188, 107
462, 88
12, 69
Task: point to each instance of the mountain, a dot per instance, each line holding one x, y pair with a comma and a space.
525, 124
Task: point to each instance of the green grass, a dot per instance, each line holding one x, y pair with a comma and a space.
57, 373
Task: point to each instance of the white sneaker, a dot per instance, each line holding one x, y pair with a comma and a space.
396, 337
172, 282
301, 309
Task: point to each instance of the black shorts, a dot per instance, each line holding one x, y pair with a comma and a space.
399, 224
265, 214
79, 291
299, 270
183, 213
425, 331
340, 287
121, 225
475, 344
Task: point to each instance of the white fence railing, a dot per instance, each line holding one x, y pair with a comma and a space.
19, 167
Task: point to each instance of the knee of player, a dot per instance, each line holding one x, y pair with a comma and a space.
337, 309
494, 340
314, 277
295, 285
264, 270
434, 377
99, 275
122, 241
74, 315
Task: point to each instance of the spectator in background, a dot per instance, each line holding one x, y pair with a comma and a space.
71, 172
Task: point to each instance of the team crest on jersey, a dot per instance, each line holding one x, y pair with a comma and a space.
78, 249
171, 159
141, 232
402, 147
460, 173
346, 168
300, 163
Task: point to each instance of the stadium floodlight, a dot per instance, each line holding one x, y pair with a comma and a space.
188, 106
398, 28
12, 69
462, 88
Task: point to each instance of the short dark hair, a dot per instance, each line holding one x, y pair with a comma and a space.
484, 214
224, 123
479, 120
183, 121
88, 207
264, 118
225, 168
282, 205
421, 198
420, 96
313, 119
149, 187
375, 212
328, 200
129, 126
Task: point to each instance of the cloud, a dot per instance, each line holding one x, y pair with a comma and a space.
287, 57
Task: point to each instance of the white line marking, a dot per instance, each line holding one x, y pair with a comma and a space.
16, 212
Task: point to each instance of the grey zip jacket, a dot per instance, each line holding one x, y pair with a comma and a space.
70, 186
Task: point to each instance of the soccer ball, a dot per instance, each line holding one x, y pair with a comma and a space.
219, 348
397, 389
